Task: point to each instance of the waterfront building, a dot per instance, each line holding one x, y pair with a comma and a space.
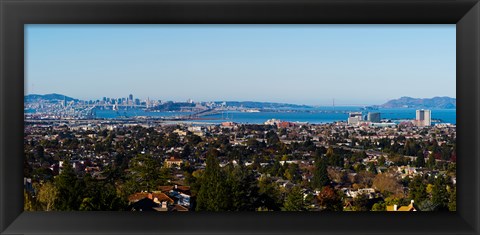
373, 117
423, 118
354, 118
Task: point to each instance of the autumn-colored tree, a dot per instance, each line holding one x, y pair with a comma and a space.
329, 199
387, 184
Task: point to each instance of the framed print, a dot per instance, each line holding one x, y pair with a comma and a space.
239, 117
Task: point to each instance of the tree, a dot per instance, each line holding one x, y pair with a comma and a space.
418, 190
69, 189
439, 193
431, 162
333, 159
100, 196
372, 168
29, 203
270, 197
329, 199
452, 204
379, 206
387, 184
243, 188
420, 162
360, 203
144, 174
320, 174
47, 196
214, 193
294, 200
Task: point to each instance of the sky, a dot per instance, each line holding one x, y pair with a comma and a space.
299, 64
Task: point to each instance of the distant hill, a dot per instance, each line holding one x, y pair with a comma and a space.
426, 103
48, 97
261, 105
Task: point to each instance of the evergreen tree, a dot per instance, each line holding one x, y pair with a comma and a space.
214, 192
270, 197
144, 174
320, 175
69, 188
243, 188
418, 190
420, 161
294, 200
439, 193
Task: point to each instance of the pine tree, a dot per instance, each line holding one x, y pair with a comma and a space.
418, 190
270, 197
214, 193
144, 174
320, 175
294, 200
440, 194
243, 188
69, 188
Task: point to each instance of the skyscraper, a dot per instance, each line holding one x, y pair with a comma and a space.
373, 117
423, 118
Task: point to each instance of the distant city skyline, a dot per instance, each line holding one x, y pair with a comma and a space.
127, 97
298, 64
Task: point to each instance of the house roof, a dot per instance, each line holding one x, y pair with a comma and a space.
410, 207
173, 159
183, 189
159, 195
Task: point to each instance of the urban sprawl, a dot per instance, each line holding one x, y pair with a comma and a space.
74, 161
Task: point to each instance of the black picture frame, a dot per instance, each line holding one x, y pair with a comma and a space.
15, 13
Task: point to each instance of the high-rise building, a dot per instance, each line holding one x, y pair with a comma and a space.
373, 117
130, 97
354, 118
423, 118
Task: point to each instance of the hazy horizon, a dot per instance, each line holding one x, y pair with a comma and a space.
296, 64
220, 100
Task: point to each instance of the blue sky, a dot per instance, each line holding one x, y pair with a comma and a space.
302, 64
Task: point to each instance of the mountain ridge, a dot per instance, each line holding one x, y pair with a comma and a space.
440, 102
